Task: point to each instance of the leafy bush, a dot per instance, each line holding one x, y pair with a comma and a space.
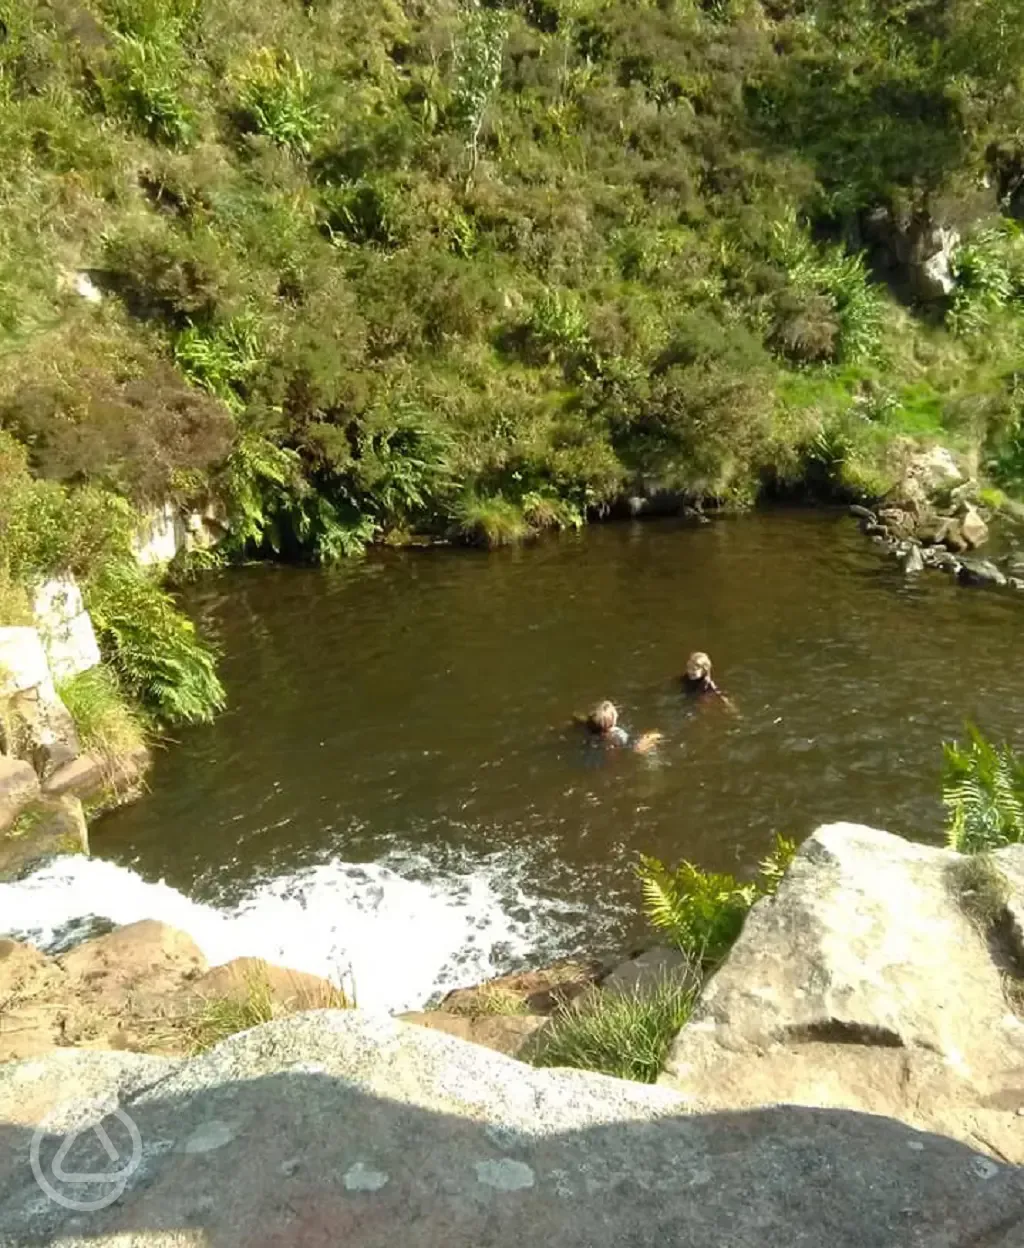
983, 792
842, 314
47, 529
152, 647
106, 412
989, 271
626, 1036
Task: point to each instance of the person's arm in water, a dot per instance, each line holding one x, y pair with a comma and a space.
724, 698
647, 742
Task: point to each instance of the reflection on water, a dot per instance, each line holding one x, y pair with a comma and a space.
415, 704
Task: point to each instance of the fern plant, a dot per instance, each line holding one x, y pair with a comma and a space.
777, 862
701, 911
152, 646
983, 792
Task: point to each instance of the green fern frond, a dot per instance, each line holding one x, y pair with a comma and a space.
777, 862
983, 793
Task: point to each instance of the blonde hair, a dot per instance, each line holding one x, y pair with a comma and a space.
603, 717
698, 666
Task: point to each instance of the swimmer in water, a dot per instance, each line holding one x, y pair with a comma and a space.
698, 681
603, 724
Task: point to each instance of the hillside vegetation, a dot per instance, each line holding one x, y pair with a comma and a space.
362, 271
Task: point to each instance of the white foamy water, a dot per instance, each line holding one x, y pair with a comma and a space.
399, 939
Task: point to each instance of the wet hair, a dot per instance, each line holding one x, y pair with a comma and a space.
603, 717
698, 666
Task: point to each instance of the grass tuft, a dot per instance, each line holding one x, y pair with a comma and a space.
489, 1000
627, 1036
107, 725
490, 521
221, 1017
980, 889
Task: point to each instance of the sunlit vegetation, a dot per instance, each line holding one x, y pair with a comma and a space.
474, 271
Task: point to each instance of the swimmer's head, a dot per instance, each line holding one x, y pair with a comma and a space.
698, 666
603, 717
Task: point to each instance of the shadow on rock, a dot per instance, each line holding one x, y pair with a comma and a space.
338, 1128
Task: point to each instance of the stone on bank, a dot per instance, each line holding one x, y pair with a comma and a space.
864, 984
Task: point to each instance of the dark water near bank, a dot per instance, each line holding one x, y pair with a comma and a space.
416, 701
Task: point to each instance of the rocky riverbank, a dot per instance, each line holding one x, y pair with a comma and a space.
883, 976
142, 988
48, 773
851, 1077
939, 517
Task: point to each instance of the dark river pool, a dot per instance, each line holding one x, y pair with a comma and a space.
394, 791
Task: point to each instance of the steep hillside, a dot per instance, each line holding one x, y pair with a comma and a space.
366, 271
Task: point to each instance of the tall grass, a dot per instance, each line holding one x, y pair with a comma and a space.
624, 1035
221, 1017
107, 725
490, 521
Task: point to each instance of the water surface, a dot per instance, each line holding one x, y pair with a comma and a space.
408, 712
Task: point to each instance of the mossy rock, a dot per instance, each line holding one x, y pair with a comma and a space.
46, 829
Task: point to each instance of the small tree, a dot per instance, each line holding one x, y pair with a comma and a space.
476, 68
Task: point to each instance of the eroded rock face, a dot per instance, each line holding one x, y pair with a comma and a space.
140, 987
19, 787
66, 628
535, 992
47, 828
41, 729
504, 1033
863, 984
340, 1128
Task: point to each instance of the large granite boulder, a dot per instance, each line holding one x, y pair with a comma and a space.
339, 1128
866, 983
132, 988
65, 627
505, 1033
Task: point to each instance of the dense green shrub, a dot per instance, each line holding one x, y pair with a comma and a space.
151, 646
475, 269
111, 413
